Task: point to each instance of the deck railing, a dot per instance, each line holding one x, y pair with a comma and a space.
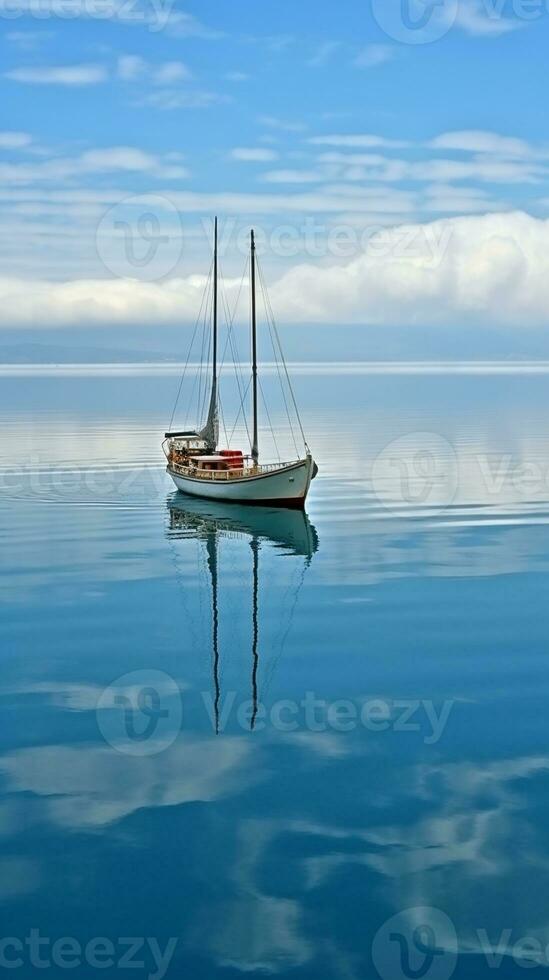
233, 474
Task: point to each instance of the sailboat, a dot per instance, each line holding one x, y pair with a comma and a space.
198, 466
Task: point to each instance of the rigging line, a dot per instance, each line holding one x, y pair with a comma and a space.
205, 365
196, 382
242, 394
278, 656
190, 350
198, 374
233, 314
228, 321
284, 364
223, 356
231, 338
231, 341
269, 420
188, 411
223, 420
282, 388
228, 338
190, 402
204, 355
204, 312
242, 409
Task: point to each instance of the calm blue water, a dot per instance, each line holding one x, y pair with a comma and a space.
375, 802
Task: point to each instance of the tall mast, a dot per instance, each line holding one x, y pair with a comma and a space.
255, 448
214, 357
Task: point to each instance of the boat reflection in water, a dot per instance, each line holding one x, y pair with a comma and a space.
210, 521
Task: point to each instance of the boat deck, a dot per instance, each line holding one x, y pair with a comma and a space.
226, 475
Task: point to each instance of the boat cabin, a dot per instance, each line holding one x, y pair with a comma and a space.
212, 463
188, 449
224, 460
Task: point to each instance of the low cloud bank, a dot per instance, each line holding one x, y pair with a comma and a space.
490, 269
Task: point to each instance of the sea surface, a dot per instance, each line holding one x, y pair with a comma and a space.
246, 742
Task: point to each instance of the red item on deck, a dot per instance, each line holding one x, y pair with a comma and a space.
231, 453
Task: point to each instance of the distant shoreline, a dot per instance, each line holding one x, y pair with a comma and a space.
312, 368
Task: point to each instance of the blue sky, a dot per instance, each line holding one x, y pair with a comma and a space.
320, 123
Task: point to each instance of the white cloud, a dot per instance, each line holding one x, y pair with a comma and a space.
374, 55
361, 140
186, 25
72, 75
254, 154
236, 76
107, 160
484, 168
275, 42
336, 200
14, 141
117, 158
171, 72
481, 141
131, 67
169, 99
490, 269
353, 159
92, 786
283, 125
28, 40
449, 199
292, 177
323, 54
166, 78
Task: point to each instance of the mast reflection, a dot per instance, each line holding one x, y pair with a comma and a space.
289, 530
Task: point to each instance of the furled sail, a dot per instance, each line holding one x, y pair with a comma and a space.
210, 432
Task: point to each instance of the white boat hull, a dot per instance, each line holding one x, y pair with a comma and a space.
284, 487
